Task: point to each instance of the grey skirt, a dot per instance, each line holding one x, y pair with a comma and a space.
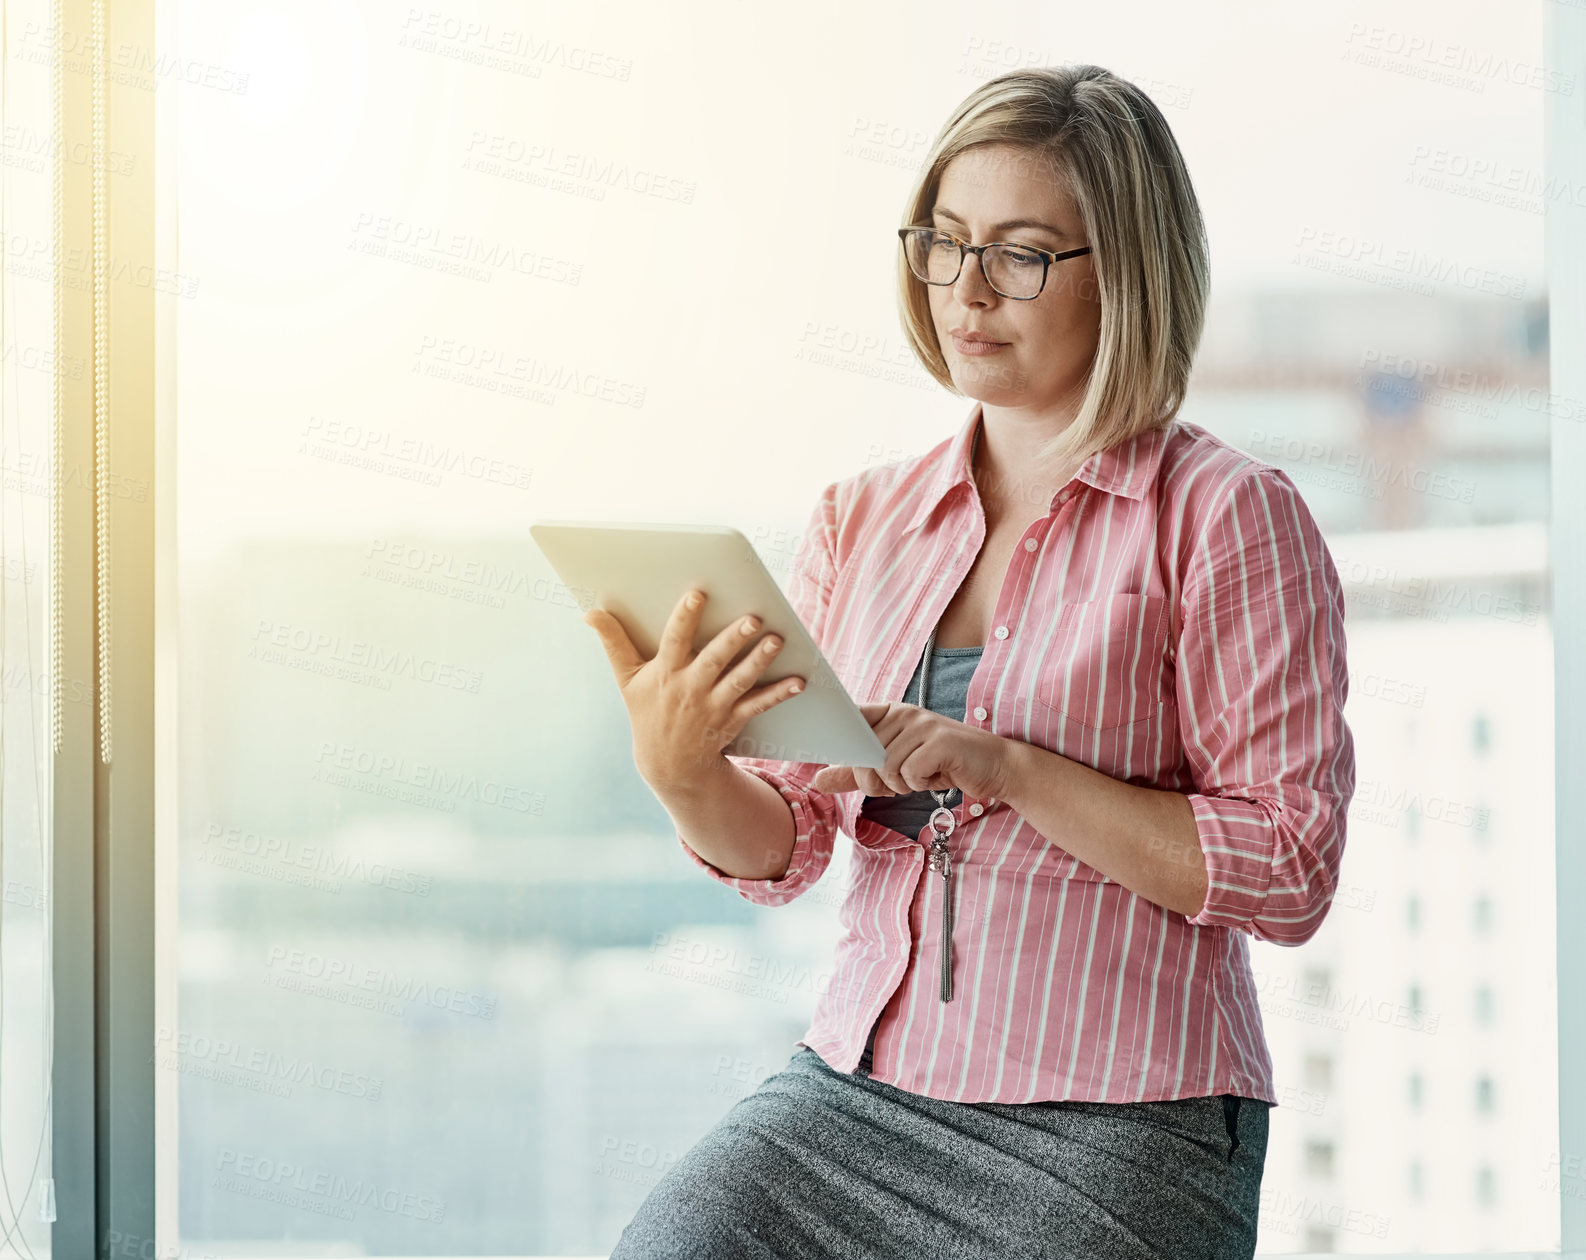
819, 1163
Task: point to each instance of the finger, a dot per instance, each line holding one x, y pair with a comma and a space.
624, 657
677, 639
870, 783
894, 783
874, 712
921, 771
763, 698
899, 751
714, 657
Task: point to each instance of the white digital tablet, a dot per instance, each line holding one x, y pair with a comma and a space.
638, 573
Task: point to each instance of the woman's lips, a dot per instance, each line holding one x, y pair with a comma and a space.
978, 347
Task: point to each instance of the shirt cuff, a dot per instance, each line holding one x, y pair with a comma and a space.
1237, 842
774, 892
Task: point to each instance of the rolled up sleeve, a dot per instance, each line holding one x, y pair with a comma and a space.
815, 829
815, 814
1262, 681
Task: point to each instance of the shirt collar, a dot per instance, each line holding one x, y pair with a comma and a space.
1125, 468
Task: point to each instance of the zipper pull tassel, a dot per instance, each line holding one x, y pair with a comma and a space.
947, 925
940, 827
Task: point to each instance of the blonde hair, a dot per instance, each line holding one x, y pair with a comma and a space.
1107, 143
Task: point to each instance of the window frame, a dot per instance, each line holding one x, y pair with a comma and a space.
102, 1075
1564, 159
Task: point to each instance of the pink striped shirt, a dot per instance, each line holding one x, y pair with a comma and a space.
1173, 620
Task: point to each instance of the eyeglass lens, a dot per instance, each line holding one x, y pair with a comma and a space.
1013, 272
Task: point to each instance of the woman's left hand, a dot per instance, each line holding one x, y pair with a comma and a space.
925, 752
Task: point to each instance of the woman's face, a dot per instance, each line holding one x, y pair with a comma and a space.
1001, 192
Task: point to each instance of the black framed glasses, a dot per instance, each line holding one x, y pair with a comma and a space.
1014, 271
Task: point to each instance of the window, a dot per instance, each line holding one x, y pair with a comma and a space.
416, 305
1486, 1186
1417, 1087
1319, 1158
1484, 827
1484, 1093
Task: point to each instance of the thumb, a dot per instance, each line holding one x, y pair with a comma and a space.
619, 648
834, 779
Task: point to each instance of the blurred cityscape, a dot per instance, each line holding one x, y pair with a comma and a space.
449, 986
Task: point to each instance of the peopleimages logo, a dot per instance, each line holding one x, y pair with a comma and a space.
724, 966
255, 1067
1436, 60
1401, 266
1398, 800
1285, 1211
320, 975
523, 52
531, 161
1407, 376
342, 764
239, 849
1353, 462
1317, 1001
259, 1176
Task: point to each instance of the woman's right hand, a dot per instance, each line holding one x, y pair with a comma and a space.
685, 707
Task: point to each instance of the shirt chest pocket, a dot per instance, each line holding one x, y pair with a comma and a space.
1112, 664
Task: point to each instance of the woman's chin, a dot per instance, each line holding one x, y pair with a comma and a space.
988, 384
995, 378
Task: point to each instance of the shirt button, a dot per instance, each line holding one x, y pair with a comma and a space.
1001, 632
980, 713
1030, 544
977, 809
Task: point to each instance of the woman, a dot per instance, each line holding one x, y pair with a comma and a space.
1042, 1036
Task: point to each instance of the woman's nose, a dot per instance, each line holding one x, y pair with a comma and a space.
972, 290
